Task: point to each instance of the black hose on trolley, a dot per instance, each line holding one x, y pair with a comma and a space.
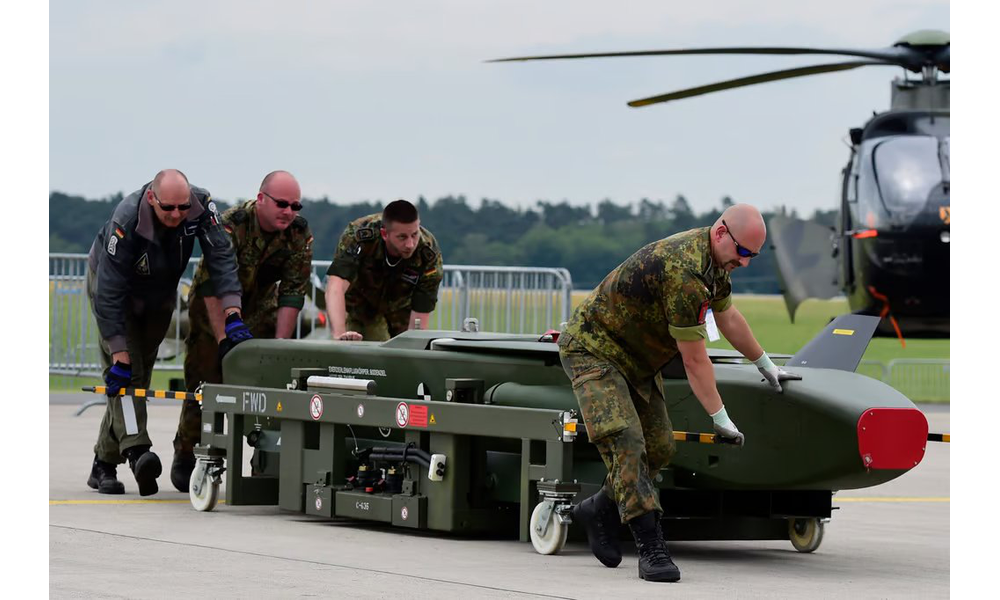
402, 451
414, 458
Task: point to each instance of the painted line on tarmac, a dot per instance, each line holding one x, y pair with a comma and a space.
891, 499
65, 502
314, 562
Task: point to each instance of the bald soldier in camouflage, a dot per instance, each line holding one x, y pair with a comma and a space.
384, 276
274, 256
647, 311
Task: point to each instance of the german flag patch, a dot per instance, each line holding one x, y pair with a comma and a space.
703, 311
228, 229
432, 271
119, 232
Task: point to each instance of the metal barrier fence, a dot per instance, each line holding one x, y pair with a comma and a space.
919, 379
504, 299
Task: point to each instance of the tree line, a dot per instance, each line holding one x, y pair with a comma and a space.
588, 240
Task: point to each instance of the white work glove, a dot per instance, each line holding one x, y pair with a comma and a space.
773, 374
725, 427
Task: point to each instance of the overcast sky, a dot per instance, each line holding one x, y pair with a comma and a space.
378, 100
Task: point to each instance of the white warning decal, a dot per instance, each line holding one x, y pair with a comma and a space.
402, 414
316, 407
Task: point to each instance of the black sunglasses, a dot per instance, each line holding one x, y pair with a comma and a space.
171, 207
744, 252
283, 204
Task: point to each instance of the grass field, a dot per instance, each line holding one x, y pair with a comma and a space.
766, 315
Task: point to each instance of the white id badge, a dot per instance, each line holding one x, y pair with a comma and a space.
711, 327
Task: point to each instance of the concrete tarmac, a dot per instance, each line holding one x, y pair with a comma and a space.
888, 541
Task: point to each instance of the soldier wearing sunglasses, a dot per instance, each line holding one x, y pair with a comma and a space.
274, 253
649, 311
134, 266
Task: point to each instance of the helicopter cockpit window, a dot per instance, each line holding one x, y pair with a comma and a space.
936, 125
907, 169
852, 178
944, 154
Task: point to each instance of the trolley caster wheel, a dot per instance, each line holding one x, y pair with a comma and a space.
203, 488
550, 537
805, 534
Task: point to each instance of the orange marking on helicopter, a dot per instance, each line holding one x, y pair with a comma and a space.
885, 312
945, 213
867, 233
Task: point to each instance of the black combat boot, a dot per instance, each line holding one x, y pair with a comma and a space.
180, 470
600, 519
654, 559
146, 467
104, 478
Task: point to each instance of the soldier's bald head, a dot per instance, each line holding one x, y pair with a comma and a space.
278, 186
740, 224
172, 183
277, 179
746, 224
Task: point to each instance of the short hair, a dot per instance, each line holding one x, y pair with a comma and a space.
399, 211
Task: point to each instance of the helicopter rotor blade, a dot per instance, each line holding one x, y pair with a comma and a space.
906, 57
755, 79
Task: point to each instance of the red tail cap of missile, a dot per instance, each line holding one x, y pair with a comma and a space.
892, 438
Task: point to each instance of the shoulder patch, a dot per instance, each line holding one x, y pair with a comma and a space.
364, 234
112, 245
427, 254
142, 265
215, 218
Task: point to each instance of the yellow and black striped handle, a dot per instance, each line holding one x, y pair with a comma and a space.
939, 437
701, 438
142, 393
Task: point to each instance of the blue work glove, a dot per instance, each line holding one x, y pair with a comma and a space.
117, 377
236, 333
772, 373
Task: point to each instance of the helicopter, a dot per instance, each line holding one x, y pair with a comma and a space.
889, 251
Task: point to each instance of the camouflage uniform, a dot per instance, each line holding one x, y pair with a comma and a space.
381, 296
273, 269
615, 345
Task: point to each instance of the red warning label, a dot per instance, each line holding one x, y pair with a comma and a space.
418, 415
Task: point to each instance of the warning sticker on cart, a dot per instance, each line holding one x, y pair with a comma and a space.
402, 414
316, 407
418, 415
